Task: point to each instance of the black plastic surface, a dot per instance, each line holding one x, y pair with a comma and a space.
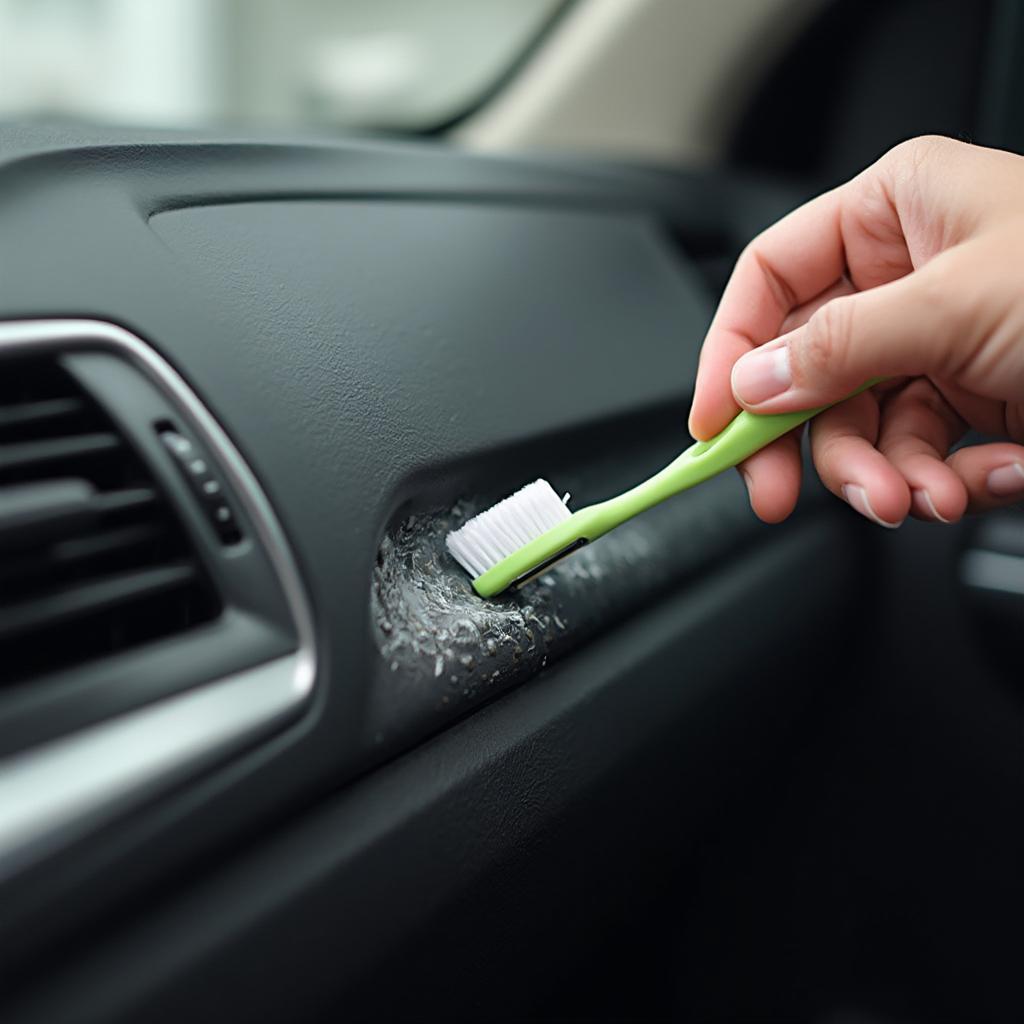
443, 650
867, 74
651, 728
383, 330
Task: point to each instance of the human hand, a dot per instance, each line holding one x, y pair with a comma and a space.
912, 271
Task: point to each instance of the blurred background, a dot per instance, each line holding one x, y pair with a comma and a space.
805, 89
400, 64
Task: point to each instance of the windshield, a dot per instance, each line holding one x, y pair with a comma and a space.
406, 65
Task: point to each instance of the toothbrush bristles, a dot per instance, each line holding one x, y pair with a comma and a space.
490, 537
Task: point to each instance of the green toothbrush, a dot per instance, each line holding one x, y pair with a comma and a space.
524, 535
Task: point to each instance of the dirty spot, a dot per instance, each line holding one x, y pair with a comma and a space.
427, 613
438, 637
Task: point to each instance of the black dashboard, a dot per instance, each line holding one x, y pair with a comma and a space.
362, 343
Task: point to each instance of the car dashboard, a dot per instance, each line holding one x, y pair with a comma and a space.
262, 747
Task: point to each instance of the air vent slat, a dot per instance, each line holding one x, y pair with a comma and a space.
35, 512
26, 413
14, 456
95, 559
61, 561
118, 501
91, 598
97, 544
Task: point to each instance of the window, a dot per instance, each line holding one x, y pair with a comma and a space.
399, 65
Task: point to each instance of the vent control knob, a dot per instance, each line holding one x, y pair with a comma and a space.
195, 468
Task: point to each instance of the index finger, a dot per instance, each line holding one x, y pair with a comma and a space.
786, 265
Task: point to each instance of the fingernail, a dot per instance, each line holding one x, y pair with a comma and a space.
1006, 480
747, 484
925, 500
857, 499
761, 374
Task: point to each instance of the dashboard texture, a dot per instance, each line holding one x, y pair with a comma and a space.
389, 337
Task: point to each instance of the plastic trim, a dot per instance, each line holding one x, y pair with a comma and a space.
50, 794
993, 570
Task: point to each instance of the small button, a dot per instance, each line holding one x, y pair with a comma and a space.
206, 487
180, 446
224, 521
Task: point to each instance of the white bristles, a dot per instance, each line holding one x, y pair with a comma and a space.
486, 539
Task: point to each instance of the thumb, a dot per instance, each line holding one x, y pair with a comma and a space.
908, 327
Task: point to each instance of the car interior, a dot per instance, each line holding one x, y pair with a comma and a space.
264, 753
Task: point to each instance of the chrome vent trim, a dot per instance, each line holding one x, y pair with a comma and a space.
56, 792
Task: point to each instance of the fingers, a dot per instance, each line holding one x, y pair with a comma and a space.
992, 474
918, 428
713, 402
887, 462
857, 303
843, 445
787, 265
772, 477
717, 359
853, 230
799, 316
899, 323
902, 328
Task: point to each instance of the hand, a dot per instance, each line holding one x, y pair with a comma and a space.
913, 271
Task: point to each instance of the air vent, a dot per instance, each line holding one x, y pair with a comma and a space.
92, 558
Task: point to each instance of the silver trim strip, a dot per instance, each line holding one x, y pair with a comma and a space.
56, 791
993, 570
48, 794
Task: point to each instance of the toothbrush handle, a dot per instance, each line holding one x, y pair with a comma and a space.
746, 434
750, 432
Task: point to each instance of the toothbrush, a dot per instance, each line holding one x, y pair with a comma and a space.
524, 535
